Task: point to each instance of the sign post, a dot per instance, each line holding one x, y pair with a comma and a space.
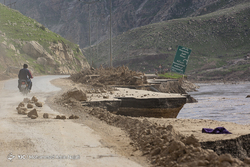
181, 59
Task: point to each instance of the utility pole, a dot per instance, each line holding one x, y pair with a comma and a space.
90, 38
110, 35
89, 3
98, 18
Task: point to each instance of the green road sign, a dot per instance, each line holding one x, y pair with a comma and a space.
181, 59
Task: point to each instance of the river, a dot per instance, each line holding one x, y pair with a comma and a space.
220, 102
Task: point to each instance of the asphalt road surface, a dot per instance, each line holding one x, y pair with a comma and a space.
48, 142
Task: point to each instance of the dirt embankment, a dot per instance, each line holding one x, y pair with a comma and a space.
103, 77
161, 144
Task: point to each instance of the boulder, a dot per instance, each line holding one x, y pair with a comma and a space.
63, 117
45, 115
34, 99
33, 112
73, 117
76, 93
19, 111
21, 104
39, 104
35, 50
22, 110
60, 117
29, 105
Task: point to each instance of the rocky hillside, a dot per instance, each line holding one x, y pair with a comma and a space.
24, 40
69, 18
219, 42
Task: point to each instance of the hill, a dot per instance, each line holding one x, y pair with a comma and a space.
24, 40
219, 43
70, 18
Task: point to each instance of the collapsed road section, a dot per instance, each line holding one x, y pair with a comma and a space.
136, 103
129, 93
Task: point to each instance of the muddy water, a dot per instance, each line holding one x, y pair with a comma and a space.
221, 102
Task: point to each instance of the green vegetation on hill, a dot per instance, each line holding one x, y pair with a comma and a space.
18, 29
171, 75
216, 40
17, 26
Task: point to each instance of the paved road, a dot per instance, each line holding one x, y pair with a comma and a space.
48, 142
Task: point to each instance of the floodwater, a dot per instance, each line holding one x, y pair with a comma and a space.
220, 102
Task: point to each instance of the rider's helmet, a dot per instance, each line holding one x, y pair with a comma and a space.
25, 66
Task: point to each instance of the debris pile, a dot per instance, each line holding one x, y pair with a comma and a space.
109, 76
73, 117
76, 94
189, 86
28, 107
60, 117
164, 146
29, 110
171, 87
72, 98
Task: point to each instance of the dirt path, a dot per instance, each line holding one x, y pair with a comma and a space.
53, 142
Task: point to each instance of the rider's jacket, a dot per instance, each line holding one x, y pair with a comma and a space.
24, 74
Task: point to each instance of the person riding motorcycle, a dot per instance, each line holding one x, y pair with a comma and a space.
25, 74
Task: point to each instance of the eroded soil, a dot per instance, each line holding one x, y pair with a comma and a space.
158, 142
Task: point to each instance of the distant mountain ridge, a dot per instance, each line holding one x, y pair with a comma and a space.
146, 33
69, 18
219, 42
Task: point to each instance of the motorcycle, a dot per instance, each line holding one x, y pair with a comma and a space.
24, 87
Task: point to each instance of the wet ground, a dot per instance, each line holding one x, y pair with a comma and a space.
221, 102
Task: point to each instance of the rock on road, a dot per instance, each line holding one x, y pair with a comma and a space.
48, 142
